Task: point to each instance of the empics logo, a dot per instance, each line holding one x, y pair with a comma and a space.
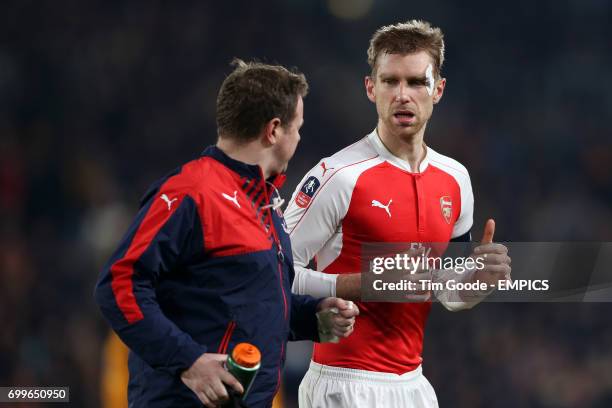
310, 186
446, 206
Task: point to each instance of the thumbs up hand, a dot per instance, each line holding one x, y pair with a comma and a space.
489, 231
494, 257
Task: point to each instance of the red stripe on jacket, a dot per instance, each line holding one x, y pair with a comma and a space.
122, 271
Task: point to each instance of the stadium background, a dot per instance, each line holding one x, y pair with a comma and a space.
99, 98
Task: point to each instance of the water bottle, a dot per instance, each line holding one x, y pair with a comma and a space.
243, 363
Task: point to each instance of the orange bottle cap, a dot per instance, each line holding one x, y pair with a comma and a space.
246, 355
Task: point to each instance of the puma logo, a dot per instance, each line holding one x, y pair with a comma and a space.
233, 199
168, 201
376, 203
325, 169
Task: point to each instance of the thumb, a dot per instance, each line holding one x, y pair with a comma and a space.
345, 304
218, 357
335, 303
346, 308
489, 230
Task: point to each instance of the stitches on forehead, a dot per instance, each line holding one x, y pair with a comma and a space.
430, 79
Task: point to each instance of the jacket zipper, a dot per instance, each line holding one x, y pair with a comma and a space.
226, 337
280, 275
279, 254
281, 258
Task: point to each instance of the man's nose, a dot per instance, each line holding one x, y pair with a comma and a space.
403, 93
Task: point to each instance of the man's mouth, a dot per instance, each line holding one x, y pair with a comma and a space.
405, 116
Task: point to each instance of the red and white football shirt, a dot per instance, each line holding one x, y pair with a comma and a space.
365, 194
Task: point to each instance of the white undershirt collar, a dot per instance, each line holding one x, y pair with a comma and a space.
385, 154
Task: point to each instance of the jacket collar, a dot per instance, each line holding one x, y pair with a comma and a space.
250, 171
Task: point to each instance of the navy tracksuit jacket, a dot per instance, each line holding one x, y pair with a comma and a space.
202, 268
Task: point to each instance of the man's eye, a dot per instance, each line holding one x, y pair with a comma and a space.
419, 83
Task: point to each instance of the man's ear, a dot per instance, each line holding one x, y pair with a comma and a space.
439, 90
369, 86
272, 132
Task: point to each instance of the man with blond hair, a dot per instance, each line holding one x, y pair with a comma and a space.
387, 187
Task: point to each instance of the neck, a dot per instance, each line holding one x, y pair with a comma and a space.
409, 148
250, 153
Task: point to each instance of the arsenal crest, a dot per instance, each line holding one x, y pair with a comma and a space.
446, 206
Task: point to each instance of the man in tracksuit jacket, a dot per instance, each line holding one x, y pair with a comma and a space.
207, 262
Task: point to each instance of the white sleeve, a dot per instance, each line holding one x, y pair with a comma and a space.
452, 299
466, 217
314, 217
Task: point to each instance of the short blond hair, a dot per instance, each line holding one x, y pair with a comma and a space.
408, 38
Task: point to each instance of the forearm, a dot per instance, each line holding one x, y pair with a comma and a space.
320, 284
348, 286
303, 321
314, 283
161, 344
154, 338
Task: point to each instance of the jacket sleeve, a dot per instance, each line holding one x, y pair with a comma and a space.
303, 323
166, 232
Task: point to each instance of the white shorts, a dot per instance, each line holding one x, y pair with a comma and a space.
335, 387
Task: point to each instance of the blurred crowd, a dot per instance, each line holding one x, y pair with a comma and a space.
99, 99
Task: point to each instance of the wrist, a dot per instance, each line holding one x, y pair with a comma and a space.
348, 286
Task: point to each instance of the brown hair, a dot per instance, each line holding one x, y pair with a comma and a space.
408, 38
255, 93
